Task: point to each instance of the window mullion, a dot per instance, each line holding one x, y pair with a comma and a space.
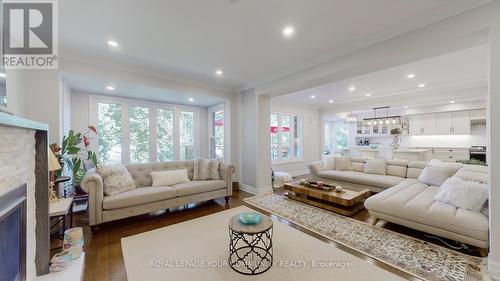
177, 137
153, 135
125, 134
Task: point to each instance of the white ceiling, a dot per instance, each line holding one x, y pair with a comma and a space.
136, 91
192, 38
446, 76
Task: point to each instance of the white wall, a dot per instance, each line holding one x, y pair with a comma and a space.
311, 135
66, 108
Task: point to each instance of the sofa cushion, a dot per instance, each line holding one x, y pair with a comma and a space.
138, 196
328, 162
415, 168
473, 173
434, 175
116, 179
205, 169
343, 163
414, 201
375, 166
169, 177
141, 173
380, 181
469, 195
397, 168
194, 187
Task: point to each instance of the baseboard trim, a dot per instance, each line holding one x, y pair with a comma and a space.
494, 269
247, 188
254, 190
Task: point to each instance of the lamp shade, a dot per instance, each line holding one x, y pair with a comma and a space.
53, 163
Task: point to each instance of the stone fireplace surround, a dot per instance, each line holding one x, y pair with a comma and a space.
23, 160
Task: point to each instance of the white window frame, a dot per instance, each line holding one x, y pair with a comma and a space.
125, 103
292, 157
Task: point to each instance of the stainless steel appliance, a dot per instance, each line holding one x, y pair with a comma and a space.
478, 152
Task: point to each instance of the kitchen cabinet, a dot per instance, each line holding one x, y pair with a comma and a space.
415, 124
460, 123
442, 123
451, 154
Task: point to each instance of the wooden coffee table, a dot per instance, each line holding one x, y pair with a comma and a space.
347, 203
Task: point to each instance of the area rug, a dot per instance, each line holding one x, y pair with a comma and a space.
416, 257
198, 249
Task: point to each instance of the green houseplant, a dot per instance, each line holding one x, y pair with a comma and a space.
75, 148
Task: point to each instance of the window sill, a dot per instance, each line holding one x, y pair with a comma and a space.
283, 162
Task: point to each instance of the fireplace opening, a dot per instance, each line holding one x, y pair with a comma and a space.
13, 235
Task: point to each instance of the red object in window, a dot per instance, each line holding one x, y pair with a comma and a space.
274, 129
219, 123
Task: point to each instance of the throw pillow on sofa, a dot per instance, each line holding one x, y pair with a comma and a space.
205, 169
116, 179
170, 177
435, 176
343, 163
375, 166
328, 162
463, 194
453, 167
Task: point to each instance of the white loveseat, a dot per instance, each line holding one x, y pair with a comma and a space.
403, 200
146, 198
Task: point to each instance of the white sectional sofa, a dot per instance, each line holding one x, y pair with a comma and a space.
146, 198
404, 200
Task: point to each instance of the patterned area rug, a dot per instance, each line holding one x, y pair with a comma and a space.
416, 257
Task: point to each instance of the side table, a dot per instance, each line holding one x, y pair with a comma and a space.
59, 212
250, 246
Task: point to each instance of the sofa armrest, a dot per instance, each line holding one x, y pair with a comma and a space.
93, 185
226, 173
315, 167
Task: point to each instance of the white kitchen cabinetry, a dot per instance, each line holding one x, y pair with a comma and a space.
451, 154
442, 123
460, 122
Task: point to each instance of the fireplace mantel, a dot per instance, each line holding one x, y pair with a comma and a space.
13, 126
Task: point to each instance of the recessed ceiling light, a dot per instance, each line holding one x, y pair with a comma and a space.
352, 88
288, 31
406, 107
452, 101
368, 95
421, 85
409, 76
3, 75
313, 97
110, 88
190, 99
112, 43
219, 72
330, 101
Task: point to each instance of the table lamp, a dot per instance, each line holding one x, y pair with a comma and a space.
53, 166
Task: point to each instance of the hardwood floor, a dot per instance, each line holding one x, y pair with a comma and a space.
104, 260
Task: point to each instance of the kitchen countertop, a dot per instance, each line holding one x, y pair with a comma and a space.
411, 150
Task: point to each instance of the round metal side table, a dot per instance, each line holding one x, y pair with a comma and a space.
250, 246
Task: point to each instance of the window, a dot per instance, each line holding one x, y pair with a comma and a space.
187, 135
336, 136
139, 132
286, 136
217, 133
165, 134
110, 132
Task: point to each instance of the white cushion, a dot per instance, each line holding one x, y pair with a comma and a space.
453, 167
343, 164
328, 162
169, 177
116, 179
367, 180
195, 187
433, 175
469, 195
138, 196
375, 166
205, 169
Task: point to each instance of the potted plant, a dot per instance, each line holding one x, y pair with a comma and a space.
75, 148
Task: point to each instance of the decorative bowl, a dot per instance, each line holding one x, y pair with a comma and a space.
250, 218
373, 146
